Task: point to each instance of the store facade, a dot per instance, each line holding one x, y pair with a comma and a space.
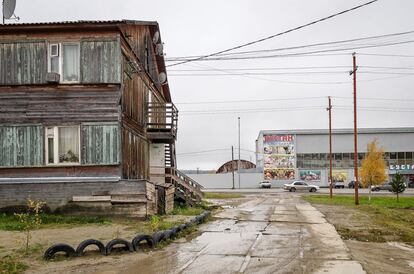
286, 155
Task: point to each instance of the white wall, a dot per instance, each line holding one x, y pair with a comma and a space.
157, 163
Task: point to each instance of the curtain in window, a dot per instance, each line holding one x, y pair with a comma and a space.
68, 145
71, 63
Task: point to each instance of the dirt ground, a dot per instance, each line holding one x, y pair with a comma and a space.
12, 242
377, 250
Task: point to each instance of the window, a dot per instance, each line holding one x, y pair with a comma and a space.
64, 59
338, 156
62, 145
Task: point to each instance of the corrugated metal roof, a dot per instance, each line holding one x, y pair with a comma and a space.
339, 131
123, 21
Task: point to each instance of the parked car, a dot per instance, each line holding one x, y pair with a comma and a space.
300, 185
385, 186
338, 185
265, 184
351, 184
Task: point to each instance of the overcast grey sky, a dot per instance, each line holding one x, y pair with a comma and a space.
190, 27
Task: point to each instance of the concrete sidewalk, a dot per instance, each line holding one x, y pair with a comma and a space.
270, 233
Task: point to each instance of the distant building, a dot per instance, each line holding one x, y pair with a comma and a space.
285, 155
234, 165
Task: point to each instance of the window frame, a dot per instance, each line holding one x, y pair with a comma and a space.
56, 146
60, 55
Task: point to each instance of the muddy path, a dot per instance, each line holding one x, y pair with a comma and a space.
261, 233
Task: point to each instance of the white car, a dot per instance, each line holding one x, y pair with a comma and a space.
300, 185
265, 184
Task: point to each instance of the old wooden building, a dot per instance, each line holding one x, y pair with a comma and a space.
86, 118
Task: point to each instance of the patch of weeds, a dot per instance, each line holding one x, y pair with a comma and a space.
214, 195
154, 222
12, 265
188, 210
392, 220
11, 222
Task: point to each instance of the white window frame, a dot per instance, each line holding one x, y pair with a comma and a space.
56, 146
60, 54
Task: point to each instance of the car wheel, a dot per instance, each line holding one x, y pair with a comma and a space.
312, 189
292, 189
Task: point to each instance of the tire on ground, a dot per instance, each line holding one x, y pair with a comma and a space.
176, 229
142, 238
157, 237
88, 242
51, 251
183, 227
169, 234
127, 245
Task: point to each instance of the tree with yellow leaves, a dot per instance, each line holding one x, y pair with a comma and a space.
372, 171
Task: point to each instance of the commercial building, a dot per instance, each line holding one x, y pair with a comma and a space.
286, 155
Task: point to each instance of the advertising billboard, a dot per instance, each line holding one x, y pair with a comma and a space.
279, 157
310, 175
339, 176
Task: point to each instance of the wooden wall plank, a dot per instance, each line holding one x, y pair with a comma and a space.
21, 145
98, 146
100, 61
23, 62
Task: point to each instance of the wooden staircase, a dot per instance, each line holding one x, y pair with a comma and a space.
186, 189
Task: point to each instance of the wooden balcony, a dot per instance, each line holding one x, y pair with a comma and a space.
162, 119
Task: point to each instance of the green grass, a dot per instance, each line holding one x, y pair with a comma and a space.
215, 195
389, 217
377, 201
11, 265
11, 222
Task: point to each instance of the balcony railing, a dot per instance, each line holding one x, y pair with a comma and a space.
162, 120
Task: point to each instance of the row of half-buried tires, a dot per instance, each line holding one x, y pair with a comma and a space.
134, 245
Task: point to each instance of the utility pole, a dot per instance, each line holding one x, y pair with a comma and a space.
353, 73
232, 167
330, 146
238, 162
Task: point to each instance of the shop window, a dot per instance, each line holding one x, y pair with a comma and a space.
62, 145
338, 156
64, 59
393, 155
401, 155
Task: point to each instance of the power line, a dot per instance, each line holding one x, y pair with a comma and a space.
289, 73
275, 35
203, 151
290, 99
248, 101
387, 55
286, 68
170, 59
308, 53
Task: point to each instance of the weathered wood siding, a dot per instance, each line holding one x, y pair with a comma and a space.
23, 62
135, 156
100, 143
134, 100
63, 105
100, 61
21, 145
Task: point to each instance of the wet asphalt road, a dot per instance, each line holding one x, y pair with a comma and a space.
267, 233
